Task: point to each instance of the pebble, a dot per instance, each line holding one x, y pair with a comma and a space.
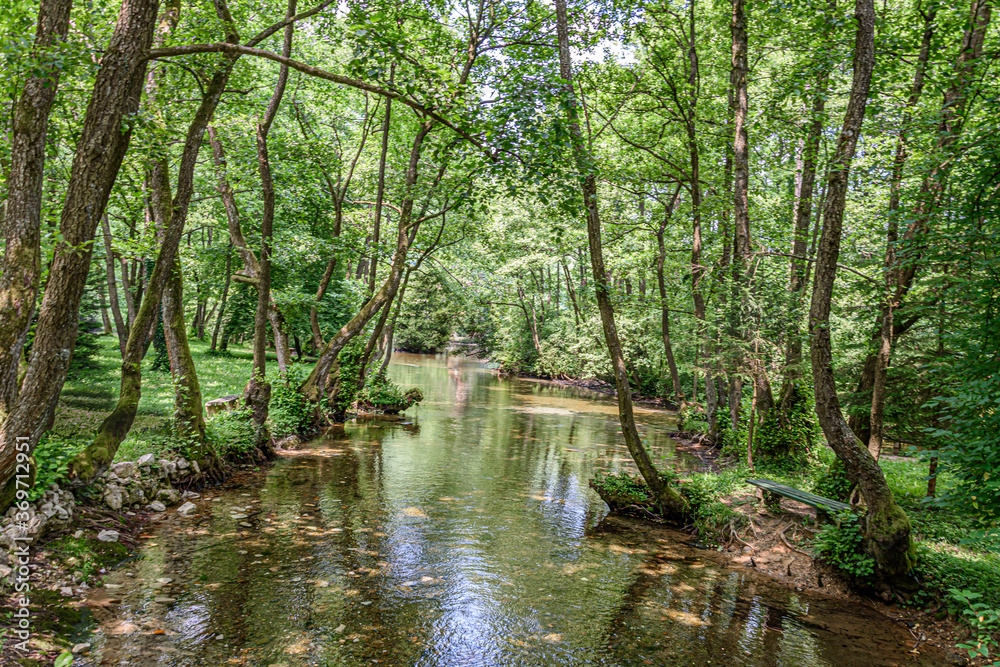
78, 534
157, 506
80, 648
108, 536
186, 509
340, 628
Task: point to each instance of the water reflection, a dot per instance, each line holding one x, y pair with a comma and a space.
462, 534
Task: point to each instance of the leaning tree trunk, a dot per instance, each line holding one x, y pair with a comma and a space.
21, 265
886, 526
172, 216
671, 503
321, 379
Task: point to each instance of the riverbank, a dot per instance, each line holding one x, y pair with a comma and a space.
55, 551
783, 541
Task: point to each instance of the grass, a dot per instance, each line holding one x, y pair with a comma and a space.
91, 391
949, 563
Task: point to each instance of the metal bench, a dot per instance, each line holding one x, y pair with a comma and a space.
825, 507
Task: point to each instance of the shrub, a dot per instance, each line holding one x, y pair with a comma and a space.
232, 432
840, 545
52, 458
288, 411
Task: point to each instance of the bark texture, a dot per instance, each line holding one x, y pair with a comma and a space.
21, 265
100, 150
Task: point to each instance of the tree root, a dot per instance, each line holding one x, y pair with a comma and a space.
789, 544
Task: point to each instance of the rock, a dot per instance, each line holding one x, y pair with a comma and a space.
146, 460
186, 509
217, 405
196, 467
340, 628
80, 648
4, 571
190, 494
108, 536
125, 469
168, 496
169, 468
182, 464
114, 496
164, 600
164, 580
78, 534
66, 591
157, 506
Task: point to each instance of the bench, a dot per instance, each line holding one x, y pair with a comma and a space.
824, 506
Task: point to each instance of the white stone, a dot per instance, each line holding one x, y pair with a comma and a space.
124, 469
186, 509
66, 591
78, 534
114, 496
146, 460
157, 506
108, 536
80, 648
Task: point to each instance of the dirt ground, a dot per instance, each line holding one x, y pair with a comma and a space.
777, 544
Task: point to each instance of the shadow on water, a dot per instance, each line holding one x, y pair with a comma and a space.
462, 533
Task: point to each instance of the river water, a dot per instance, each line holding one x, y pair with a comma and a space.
462, 534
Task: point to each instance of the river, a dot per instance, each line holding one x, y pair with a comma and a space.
462, 534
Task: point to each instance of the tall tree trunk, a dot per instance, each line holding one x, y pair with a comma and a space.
669, 500
258, 390
661, 258
251, 273
116, 311
902, 270
387, 354
99, 154
225, 296
799, 275
697, 266
741, 210
887, 528
21, 264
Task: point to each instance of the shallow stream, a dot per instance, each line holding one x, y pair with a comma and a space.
463, 534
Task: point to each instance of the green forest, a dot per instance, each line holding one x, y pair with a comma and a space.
228, 230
